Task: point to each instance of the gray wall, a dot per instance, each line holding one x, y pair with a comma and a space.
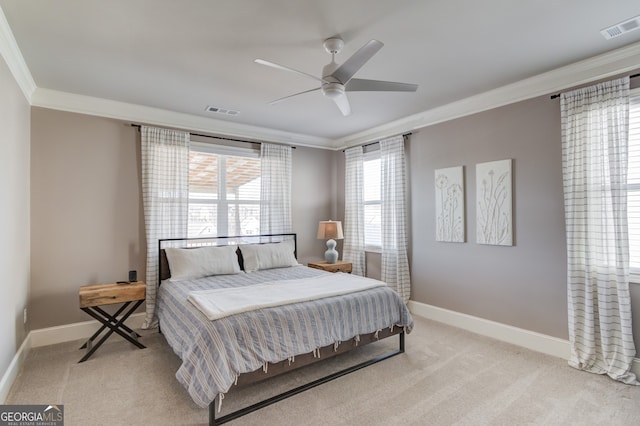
87, 224
87, 219
14, 215
313, 189
523, 285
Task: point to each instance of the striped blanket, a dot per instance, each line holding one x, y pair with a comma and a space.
214, 353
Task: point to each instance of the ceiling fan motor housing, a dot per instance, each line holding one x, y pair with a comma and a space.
333, 90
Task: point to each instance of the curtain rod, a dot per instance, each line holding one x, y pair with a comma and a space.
557, 95
216, 137
404, 135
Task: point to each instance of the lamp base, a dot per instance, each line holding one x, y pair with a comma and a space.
331, 255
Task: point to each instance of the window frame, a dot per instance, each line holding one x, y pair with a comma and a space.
221, 201
634, 272
372, 155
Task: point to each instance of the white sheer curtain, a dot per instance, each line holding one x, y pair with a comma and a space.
165, 193
353, 247
275, 191
395, 264
594, 158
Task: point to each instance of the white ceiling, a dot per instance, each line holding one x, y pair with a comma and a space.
181, 56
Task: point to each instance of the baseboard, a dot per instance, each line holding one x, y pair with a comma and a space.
79, 330
14, 368
528, 339
51, 336
517, 336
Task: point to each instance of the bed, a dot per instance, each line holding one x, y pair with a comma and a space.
254, 344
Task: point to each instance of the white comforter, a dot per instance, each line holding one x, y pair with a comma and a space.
223, 302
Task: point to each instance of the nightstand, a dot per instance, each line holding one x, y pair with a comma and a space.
92, 297
339, 266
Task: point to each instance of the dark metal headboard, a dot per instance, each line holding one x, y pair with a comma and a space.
163, 265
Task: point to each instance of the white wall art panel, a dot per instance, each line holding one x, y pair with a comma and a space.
493, 203
450, 204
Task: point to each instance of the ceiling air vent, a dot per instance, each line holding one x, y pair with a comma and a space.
219, 110
621, 28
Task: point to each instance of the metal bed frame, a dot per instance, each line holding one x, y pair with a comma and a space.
284, 395
163, 272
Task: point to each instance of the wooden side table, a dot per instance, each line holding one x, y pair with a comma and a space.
94, 296
339, 266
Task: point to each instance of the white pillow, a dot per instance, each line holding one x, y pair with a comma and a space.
268, 256
201, 262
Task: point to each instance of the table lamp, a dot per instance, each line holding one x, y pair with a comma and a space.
330, 230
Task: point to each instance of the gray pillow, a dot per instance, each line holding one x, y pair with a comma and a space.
267, 256
201, 262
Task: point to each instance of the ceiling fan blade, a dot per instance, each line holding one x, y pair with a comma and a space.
343, 104
362, 85
347, 70
291, 96
282, 67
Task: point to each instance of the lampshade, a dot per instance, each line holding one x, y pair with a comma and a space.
330, 230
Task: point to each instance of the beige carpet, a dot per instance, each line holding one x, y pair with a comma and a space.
447, 376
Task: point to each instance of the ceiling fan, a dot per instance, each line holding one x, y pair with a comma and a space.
338, 79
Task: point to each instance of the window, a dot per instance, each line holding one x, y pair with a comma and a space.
633, 183
224, 191
372, 205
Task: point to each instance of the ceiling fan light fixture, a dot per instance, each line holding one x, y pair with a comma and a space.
332, 90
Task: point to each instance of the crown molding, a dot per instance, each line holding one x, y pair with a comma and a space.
141, 114
10, 51
608, 64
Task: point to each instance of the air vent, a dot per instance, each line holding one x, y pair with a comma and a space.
219, 110
621, 28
